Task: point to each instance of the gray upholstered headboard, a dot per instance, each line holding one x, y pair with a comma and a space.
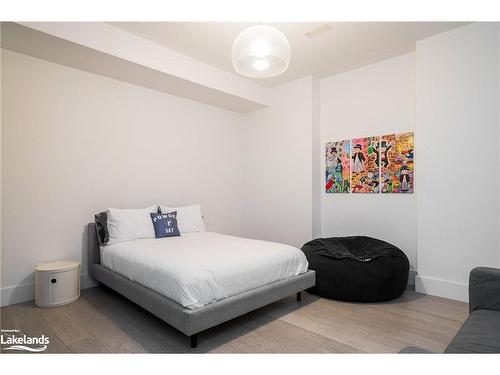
93, 250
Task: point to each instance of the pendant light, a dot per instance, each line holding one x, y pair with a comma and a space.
260, 51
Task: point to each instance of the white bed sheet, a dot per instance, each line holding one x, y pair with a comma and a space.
199, 268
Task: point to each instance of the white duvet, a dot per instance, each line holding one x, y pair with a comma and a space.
199, 268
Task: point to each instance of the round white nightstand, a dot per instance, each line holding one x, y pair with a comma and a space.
57, 283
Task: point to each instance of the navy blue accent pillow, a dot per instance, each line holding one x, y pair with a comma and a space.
165, 224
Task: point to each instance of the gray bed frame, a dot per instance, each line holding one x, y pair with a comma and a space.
192, 322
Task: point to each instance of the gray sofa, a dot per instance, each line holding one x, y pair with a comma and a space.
480, 333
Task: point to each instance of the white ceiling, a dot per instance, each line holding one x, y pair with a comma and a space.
348, 45
99, 48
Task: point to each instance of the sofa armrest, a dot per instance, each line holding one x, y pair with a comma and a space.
484, 289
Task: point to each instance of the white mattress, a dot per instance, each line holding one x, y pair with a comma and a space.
199, 268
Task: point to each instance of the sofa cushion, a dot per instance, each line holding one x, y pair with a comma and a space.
484, 287
479, 334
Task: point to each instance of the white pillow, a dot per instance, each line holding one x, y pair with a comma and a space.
130, 224
189, 218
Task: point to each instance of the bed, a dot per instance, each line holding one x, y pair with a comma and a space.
199, 280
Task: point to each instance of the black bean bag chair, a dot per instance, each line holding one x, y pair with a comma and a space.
357, 269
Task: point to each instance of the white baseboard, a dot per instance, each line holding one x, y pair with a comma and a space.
16, 294
26, 292
442, 288
428, 285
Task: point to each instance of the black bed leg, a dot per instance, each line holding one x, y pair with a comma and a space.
299, 296
194, 341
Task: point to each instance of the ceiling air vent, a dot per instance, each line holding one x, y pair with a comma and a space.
318, 30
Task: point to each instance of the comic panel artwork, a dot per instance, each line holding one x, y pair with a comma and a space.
337, 166
364, 165
397, 164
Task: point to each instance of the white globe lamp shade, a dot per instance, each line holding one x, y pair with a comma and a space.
260, 51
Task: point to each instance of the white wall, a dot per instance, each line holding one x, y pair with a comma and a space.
317, 154
74, 144
457, 157
277, 166
1, 120
373, 100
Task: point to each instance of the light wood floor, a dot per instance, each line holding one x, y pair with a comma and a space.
102, 321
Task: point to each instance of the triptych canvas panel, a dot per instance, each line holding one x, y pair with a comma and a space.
397, 163
371, 165
364, 165
338, 166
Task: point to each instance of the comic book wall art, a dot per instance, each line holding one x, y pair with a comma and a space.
387, 160
371, 165
365, 165
337, 156
397, 163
